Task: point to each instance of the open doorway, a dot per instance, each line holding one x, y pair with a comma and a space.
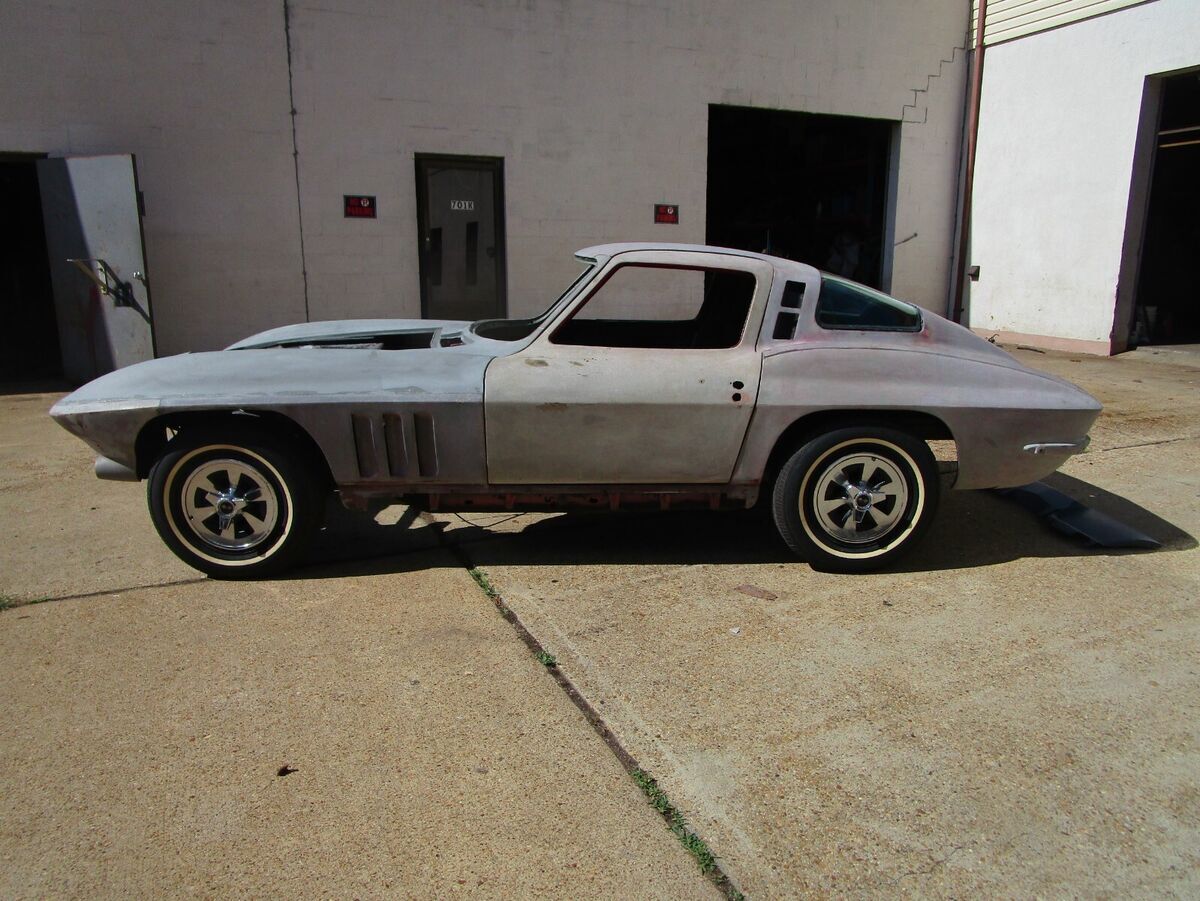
803, 186
1167, 308
29, 347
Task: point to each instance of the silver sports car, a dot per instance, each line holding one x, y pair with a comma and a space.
665, 377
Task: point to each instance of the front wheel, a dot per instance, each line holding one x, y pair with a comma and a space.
855, 499
233, 505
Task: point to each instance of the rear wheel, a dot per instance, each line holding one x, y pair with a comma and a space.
233, 504
855, 499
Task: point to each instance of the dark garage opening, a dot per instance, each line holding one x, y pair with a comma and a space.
803, 186
29, 350
1168, 309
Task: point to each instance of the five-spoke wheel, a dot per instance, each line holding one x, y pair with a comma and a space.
854, 499
234, 505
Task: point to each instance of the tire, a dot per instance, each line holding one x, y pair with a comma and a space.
233, 503
816, 506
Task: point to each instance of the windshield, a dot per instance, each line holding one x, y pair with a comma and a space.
518, 329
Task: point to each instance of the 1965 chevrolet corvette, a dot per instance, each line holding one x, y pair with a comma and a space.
665, 376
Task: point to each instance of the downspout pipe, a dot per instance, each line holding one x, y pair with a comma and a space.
964, 219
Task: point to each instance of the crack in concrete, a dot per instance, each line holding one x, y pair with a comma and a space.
287, 36
107, 591
628, 762
1105, 450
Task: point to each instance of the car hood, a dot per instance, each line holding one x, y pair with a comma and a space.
284, 376
411, 333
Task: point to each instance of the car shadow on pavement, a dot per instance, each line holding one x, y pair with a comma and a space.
972, 529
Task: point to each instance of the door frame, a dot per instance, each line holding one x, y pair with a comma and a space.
494, 164
1137, 214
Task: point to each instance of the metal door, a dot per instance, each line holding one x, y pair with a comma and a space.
460, 220
587, 415
97, 265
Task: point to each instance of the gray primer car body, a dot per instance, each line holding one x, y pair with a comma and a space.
436, 410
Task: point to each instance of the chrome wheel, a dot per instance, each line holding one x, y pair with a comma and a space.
229, 504
855, 498
235, 500
859, 498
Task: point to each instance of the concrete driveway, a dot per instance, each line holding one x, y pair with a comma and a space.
1013, 713
149, 714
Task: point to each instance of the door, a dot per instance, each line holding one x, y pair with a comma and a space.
460, 222
97, 267
649, 378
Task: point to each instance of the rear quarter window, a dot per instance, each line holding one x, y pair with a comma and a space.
844, 304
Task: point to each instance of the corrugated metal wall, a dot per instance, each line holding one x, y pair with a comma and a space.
1008, 19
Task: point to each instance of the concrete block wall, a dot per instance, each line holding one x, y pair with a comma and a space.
598, 107
198, 91
1058, 127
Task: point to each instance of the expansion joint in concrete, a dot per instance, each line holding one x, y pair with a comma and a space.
636, 771
1117, 447
14, 604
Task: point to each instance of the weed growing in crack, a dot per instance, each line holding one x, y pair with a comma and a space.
481, 580
8, 601
547, 659
658, 799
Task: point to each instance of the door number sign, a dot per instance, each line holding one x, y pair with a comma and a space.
462, 204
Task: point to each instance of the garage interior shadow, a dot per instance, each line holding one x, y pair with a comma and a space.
971, 529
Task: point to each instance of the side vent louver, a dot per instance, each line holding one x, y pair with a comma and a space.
393, 441
401, 442
364, 444
427, 461
789, 311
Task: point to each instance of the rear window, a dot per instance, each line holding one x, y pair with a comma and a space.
844, 304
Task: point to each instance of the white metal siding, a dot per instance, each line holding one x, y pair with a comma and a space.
1008, 19
1058, 128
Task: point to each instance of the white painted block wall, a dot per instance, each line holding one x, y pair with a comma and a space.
1058, 123
598, 107
198, 91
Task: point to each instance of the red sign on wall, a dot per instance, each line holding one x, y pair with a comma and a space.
359, 206
667, 213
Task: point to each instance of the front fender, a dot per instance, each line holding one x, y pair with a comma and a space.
344, 399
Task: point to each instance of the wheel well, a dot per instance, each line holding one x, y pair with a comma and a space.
920, 425
155, 435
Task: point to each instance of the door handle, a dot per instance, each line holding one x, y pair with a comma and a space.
738, 385
107, 281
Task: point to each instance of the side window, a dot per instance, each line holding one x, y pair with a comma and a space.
663, 307
849, 305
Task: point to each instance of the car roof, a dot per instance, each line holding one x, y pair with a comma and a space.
601, 252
